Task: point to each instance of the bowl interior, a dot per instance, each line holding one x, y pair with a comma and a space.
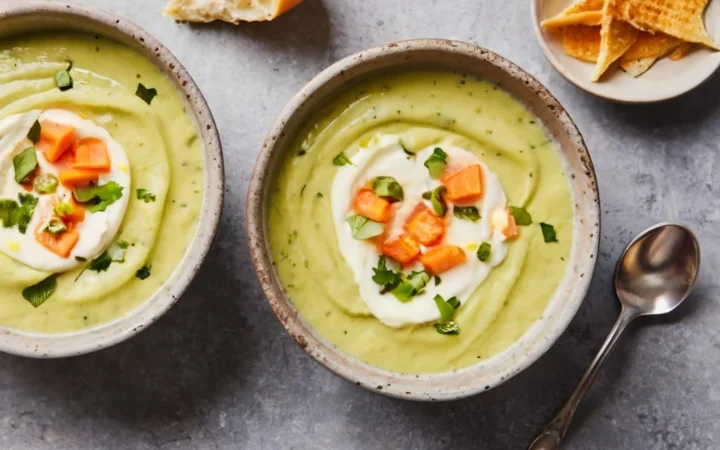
664, 80
26, 17
466, 58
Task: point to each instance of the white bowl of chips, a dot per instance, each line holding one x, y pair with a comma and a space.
631, 51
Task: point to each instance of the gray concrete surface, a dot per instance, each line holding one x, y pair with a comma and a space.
220, 372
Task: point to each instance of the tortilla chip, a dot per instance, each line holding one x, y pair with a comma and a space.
682, 51
682, 19
637, 67
584, 12
616, 37
650, 46
582, 42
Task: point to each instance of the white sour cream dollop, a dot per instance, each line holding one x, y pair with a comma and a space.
387, 158
98, 229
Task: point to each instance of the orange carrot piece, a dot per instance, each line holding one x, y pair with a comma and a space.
511, 231
369, 205
442, 258
505, 222
92, 154
61, 245
425, 226
78, 177
404, 249
55, 139
465, 184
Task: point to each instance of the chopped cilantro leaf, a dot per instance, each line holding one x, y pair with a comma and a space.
483, 252
147, 95
548, 232
98, 197
25, 164
34, 132
38, 293
145, 195
143, 272
470, 213
522, 217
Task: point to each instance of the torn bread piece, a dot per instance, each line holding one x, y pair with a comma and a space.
616, 37
582, 42
583, 12
234, 11
682, 19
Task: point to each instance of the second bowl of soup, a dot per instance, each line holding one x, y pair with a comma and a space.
424, 219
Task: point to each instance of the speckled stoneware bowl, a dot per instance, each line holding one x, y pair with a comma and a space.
28, 17
470, 59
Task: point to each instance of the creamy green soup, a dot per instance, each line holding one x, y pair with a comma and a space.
431, 108
162, 146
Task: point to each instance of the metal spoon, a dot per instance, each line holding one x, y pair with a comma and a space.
655, 274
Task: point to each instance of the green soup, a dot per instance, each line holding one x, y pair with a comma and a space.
432, 108
162, 146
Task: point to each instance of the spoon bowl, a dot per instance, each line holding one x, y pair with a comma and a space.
658, 270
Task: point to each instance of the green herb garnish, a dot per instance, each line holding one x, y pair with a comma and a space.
114, 254
364, 228
438, 280
522, 217
447, 311
483, 252
385, 277
145, 195
450, 328
24, 164
436, 163
101, 263
438, 201
38, 293
427, 195
143, 272
548, 232
24, 213
55, 226
13, 213
388, 187
454, 302
470, 213
341, 160
98, 197
34, 132
63, 80
414, 285
46, 183
147, 95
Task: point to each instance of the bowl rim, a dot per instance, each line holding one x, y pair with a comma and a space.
347, 366
36, 345
590, 87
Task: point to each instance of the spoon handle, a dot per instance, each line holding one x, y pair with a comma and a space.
555, 431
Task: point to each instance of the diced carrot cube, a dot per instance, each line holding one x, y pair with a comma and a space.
404, 249
78, 177
92, 154
369, 205
442, 258
425, 226
61, 244
465, 184
55, 139
505, 222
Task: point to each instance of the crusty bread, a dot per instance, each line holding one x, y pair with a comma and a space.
234, 11
582, 42
616, 37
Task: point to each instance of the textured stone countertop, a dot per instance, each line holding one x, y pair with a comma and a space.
219, 371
